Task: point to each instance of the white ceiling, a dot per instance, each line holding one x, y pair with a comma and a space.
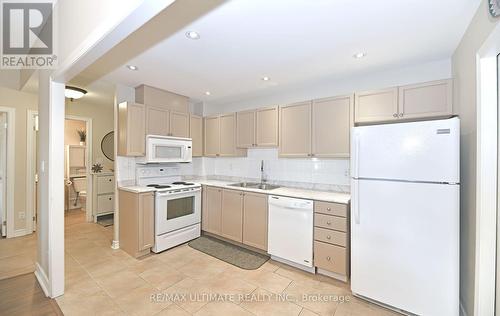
297, 41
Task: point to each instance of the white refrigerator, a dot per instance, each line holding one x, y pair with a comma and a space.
405, 190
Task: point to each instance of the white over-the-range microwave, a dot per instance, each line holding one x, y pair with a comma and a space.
161, 149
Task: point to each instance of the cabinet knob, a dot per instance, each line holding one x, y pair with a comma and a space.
328, 223
400, 114
328, 209
109, 180
328, 237
395, 115
328, 258
109, 199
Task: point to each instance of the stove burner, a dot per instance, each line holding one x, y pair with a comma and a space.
157, 186
182, 183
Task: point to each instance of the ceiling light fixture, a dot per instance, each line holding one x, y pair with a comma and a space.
207, 93
266, 78
73, 93
132, 67
359, 55
193, 35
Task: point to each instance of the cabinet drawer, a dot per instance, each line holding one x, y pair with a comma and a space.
330, 257
330, 222
105, 184
330, 236
105, 203
330, 208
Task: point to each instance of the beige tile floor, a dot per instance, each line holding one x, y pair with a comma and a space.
102, 281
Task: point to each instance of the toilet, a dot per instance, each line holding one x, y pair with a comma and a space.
80, 187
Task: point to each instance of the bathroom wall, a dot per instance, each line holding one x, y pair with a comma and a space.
71, 128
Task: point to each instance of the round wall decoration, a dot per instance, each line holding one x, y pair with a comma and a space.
107, 146
494, 8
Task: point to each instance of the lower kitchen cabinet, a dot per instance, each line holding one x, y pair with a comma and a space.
255, 220
212, 210
136, 222
232, 215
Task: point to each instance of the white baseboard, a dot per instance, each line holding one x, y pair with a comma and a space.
42, 279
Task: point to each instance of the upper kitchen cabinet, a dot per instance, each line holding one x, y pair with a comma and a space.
295, 130
379, 105
418, 101
151, 96
257, 128
332, 119
430, 99
212, 139
131, 129
196, 134
179, 124
157, 121
245, 132
220, 136
266, 127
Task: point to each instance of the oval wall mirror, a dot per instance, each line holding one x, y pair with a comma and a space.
108, 145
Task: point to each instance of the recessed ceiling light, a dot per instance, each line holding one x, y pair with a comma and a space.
193, 35
266, 78
207, 93
74, 92
132, 67
359, 55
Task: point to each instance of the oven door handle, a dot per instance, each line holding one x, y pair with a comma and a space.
180, 193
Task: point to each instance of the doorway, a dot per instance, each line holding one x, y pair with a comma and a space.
7, 164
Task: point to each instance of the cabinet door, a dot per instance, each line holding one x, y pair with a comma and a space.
255, 220
158, 120
245, 129
267, 127
196, 134
331, 125
212, 139
232, 214
131, 129
214, 210
179, 124
376, 106
428, 99
228, 135
295, 130
146, 220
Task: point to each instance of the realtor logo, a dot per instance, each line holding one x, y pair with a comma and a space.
27, 35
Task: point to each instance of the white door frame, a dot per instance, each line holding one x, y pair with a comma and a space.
30, 168
486, 183
10, 165
88, 168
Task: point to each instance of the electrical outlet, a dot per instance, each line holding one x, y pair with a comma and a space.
22, 215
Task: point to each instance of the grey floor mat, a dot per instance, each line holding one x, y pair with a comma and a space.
235, 255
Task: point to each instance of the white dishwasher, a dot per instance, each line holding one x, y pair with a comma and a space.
290, 235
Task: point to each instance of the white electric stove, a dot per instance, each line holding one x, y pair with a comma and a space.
177, 206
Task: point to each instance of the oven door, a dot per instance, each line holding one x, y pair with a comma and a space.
177, 209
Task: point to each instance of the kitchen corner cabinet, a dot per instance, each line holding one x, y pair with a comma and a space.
196, 134
319, 128
131, 129
418, 101
136, 222
220, 136
232, 215
257, 128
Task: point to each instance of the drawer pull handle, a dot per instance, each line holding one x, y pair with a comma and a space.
328, 223
109, 180
328, 258
328, 237
109, 199
328, 209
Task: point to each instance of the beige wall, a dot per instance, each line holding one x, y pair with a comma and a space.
71, 128
102, 119
464, 72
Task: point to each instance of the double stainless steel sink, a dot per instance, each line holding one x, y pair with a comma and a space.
255, 185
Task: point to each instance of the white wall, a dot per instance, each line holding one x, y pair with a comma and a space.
465, 94
429, 71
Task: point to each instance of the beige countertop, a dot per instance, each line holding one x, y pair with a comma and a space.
136, 189
327, 196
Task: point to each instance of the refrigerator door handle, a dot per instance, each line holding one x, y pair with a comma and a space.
355, 167
356, 201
